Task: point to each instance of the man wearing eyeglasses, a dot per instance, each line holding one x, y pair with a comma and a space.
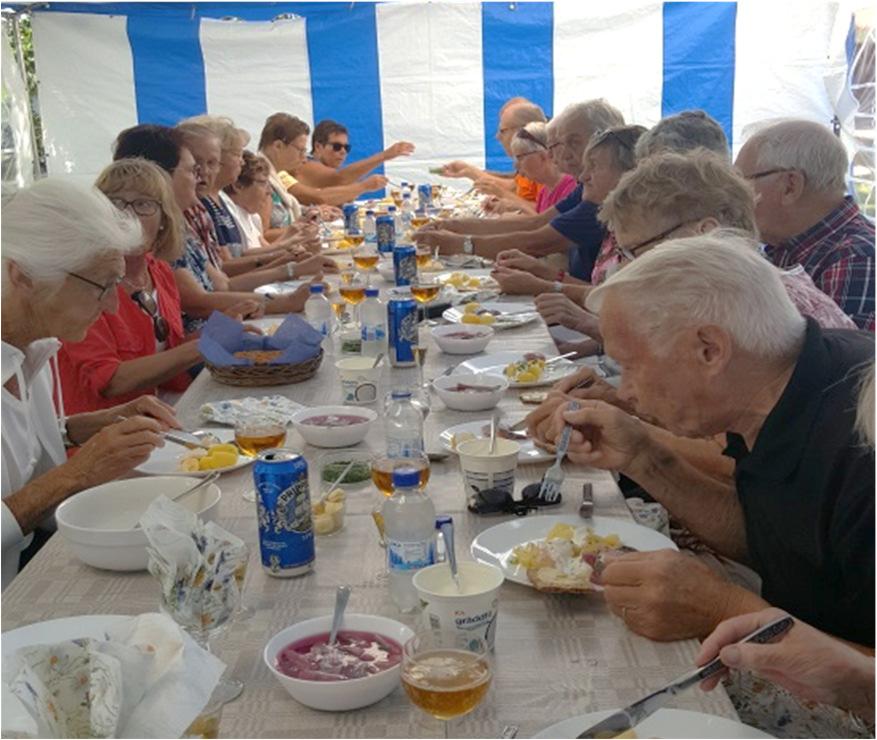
798, 170
330, 147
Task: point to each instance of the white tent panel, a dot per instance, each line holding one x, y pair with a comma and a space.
612, 51
432, 85
86, 75
782, 54
254, 69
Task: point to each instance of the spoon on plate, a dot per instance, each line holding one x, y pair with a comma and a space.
342, 596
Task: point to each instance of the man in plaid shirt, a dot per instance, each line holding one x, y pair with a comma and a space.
798, 169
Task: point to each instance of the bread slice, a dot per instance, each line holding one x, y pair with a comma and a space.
552, 580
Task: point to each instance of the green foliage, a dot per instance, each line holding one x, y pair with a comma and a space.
26, 39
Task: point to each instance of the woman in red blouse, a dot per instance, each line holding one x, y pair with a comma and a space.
141, 347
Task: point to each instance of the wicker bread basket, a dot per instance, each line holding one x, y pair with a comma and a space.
267, 374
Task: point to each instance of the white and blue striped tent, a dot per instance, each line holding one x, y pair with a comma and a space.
435, 73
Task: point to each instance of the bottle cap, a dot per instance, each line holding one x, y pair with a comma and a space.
391, 209
371, 292
317, 288
406, 478
400, 393
369, 213
443, 519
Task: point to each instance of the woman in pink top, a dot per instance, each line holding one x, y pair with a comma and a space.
533, 160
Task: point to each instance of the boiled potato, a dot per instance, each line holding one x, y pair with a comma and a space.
324, 524
224, 448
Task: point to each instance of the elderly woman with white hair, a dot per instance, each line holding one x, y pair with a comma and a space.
799, 171
63, 258
709, 342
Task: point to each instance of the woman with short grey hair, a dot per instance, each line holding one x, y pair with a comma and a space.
63, 257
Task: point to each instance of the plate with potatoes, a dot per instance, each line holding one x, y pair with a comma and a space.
221, 455
498, 314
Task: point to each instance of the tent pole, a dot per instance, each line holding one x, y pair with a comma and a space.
16, 28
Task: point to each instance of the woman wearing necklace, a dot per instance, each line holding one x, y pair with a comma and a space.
140, 348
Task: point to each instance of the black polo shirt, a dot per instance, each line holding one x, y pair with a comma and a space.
807, 490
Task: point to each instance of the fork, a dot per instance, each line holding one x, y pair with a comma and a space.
551, 483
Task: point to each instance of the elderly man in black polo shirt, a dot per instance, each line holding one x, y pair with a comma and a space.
709, 342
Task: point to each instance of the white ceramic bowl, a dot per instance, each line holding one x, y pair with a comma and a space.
338, 696
340, 436
98, 523
469, 401
456, 346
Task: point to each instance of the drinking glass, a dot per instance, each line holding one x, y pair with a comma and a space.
446, 673
366, 259
352, 292
354, 238
254, 433
382, 467
419, 218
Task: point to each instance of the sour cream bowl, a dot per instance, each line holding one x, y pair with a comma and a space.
341, 695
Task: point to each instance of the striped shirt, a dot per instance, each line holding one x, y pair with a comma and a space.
838, 253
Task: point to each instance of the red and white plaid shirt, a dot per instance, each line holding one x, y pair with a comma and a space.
838, 253
201, 227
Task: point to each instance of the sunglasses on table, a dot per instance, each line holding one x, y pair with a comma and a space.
337, 146
159, 323
500, 501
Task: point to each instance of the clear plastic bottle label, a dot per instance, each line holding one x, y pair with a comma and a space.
404, 447
409, 555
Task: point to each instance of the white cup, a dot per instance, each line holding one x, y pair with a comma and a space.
481, 470
359, 380
473, 610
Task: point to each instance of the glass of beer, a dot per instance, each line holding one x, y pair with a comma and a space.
366, 259
446, 673
354, 238
252, 434
423, 256
382, 468
352, 292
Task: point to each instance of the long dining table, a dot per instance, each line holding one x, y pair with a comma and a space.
557, 656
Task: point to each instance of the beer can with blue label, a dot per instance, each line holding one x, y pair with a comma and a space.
351, 222
283, 500
424, 194
386, 233
405, 264
402, 325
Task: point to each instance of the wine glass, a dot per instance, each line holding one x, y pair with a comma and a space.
366, 259
254, 433
383, 466
419, 218
446, 673
352, 291
354, 238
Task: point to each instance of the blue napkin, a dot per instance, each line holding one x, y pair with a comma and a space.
222, 336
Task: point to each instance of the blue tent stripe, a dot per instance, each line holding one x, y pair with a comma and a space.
518, 59
160, 44
699, 51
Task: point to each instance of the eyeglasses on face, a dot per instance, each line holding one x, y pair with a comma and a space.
630, 253
147, 303
337, 146
104, 289
765, 173
140, 206
521, 157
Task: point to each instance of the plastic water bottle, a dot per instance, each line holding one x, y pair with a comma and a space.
407, 211
318, 311
373, 317
369, 228
397, 220
404, 426
409, 529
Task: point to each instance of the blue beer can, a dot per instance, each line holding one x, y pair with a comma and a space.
424, 194
386, 233
402, 330
283, 500
405, 264
350, 210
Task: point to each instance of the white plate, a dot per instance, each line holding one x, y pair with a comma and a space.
523, 313
164, 460
487, 282
495, 545
529, 453
58, 630
495, 364
663, 723
272, 289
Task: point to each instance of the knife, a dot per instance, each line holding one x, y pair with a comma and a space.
632, 715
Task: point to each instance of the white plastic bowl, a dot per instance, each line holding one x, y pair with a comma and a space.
341, 436
454, 346
338, 696
98, 523
468, 401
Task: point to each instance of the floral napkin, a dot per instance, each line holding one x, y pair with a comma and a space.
200, 567
145, 678
271, 408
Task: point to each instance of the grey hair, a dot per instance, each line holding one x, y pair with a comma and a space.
57, 226
682, 132
865, 407
222, 127
591, 116
192, 133
525, 112
806, 146
525, 145
716, 279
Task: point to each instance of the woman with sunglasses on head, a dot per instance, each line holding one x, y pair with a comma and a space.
141, 347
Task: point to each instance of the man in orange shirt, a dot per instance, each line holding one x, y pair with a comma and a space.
513, 189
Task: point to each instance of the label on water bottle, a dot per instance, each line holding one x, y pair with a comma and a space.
409, 555
373, 333
404, 447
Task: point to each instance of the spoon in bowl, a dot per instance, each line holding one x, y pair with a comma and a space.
342, 595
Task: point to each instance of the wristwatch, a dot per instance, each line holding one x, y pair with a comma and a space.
290, 270
65, 436
468, 246
558, 286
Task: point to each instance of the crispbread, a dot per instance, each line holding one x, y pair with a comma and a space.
552, 580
